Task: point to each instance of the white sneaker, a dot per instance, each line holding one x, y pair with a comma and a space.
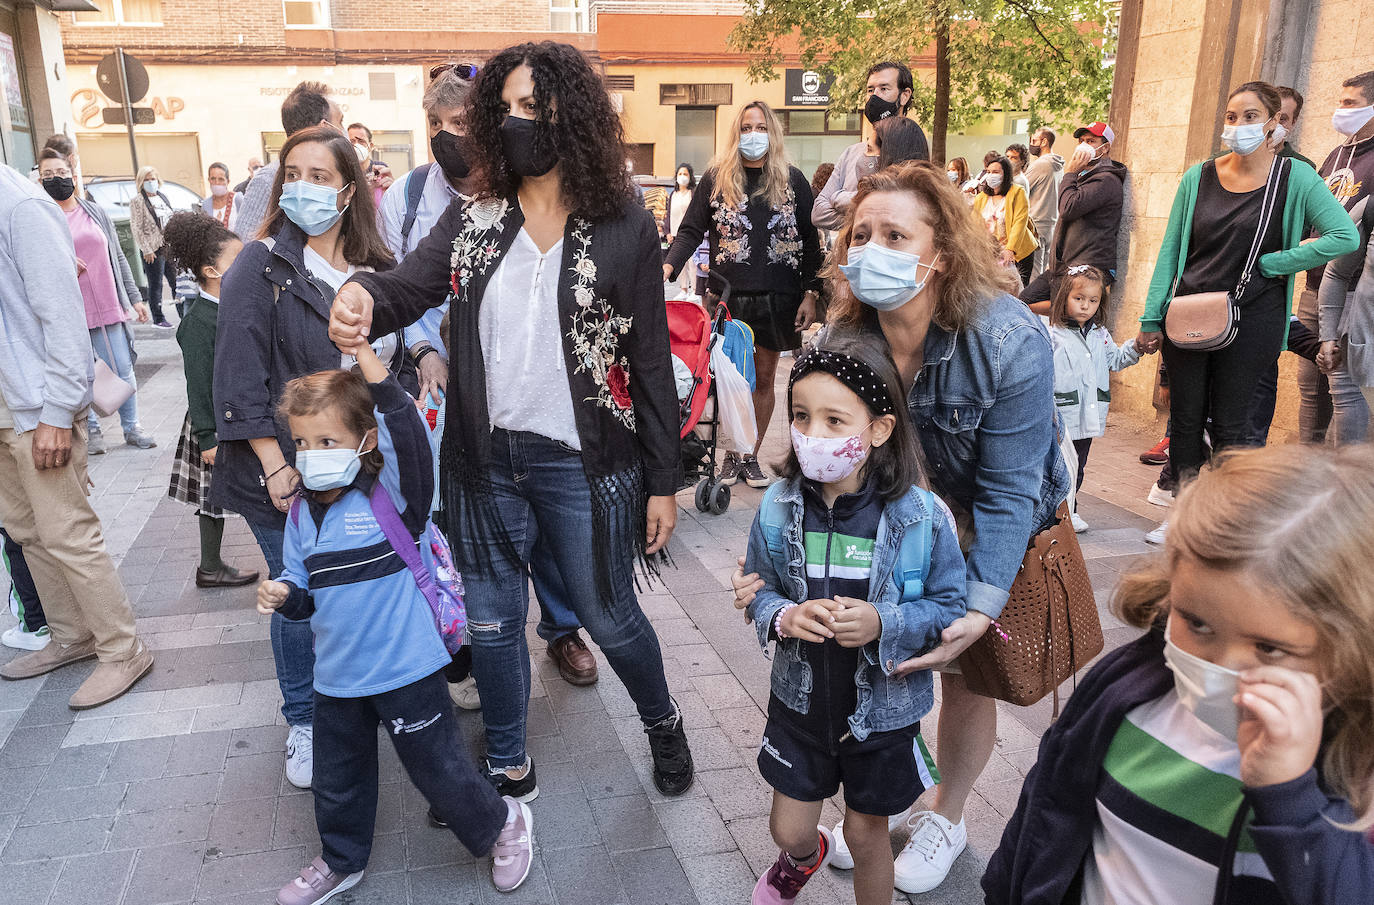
464, 694
1079, 526
300, 756
1158, 496
842, 858
930, 853
19, 639
1156, 536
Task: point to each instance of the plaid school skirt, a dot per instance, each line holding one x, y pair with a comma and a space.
190, 476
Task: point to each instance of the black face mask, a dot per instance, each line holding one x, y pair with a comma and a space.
878, 109
518, 139
1036, 150
59, 187
447, 149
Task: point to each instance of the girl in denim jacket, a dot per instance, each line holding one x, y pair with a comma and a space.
861, 570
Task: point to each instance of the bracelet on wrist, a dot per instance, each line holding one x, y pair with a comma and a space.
777, 623
417, 357
279, 471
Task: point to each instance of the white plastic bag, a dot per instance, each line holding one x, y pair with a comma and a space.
736, 402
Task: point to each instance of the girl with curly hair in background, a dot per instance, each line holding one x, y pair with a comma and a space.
562, 413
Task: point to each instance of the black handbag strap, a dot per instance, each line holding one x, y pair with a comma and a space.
1271, 197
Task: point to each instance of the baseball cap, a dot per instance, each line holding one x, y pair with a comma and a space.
1101, 130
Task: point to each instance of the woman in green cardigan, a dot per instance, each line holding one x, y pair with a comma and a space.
201, 245
1215, 218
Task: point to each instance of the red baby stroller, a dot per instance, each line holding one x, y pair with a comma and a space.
690, 329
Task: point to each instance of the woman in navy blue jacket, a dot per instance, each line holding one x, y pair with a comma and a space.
273, 327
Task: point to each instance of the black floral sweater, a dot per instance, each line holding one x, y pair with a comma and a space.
756, 247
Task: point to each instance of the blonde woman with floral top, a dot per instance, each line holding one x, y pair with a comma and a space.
561, 447
754, 208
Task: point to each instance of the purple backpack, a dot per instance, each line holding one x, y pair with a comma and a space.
430, 561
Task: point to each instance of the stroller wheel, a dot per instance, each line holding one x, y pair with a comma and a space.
703, 495
720, 498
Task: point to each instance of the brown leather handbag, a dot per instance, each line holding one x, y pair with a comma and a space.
1049, 626
1208, 321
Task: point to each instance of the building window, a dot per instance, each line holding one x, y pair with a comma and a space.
620, 82
568, 15
123, 12
306, 13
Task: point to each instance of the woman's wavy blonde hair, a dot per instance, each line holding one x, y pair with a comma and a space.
1299, 521
729, 163
971, 273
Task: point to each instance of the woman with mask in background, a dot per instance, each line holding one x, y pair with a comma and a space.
1218, 240
678, 202
561, 442
223, 202
149, 211
754, 207
107, 289
273, 326
1003, 207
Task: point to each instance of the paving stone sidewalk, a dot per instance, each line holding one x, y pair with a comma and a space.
175, 793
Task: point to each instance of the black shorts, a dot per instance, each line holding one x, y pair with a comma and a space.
772, 316
881, 775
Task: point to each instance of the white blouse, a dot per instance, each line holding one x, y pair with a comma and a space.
522, 344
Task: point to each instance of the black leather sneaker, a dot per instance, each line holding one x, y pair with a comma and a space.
673, 770
523, 790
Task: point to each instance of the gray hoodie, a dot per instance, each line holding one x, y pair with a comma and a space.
1044, 173
46, 365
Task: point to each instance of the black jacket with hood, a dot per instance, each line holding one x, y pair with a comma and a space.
1090, 206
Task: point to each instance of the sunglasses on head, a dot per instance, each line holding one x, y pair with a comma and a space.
466, 71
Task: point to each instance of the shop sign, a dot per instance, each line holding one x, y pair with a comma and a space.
9, 82
808, 87
88, 106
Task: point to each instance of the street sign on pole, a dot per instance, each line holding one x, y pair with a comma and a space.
124, 79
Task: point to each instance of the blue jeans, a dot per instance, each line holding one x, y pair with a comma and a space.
543, 500
293, 643
556, 617
117, 358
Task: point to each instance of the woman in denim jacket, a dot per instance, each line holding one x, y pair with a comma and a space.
979, 373
861, 571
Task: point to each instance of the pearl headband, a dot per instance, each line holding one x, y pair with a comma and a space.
856, 375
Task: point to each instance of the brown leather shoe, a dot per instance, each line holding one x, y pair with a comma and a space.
226, 576
576, 664
54, 656
110, 680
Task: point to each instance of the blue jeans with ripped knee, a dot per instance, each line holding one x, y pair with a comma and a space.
541, 493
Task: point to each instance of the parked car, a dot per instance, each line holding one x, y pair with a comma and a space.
113, 194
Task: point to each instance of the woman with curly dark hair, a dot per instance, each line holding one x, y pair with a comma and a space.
562, 413
201, 245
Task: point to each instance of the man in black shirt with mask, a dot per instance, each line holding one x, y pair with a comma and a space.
889, 94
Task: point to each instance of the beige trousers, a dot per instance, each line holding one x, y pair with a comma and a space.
48, 514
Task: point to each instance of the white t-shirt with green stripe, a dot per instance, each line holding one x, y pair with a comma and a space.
1169, 793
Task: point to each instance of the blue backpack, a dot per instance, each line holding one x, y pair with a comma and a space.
738, 345
913, 559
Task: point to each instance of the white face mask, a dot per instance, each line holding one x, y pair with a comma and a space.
151, 186
953, 176
362, 151
219, 190
1088, 149
1204, 688
1278, 136
1349, 120
826, 460
993, 180
328, 469
1243, 139
683, 180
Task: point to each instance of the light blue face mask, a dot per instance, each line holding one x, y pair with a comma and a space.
329, 469
314, 208
884, 278
753, 145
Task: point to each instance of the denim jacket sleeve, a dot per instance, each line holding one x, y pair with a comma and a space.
912, 627
1008, 480
770, 598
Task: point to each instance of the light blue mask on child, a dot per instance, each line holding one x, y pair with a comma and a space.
314, 208
884, 278
329, 469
